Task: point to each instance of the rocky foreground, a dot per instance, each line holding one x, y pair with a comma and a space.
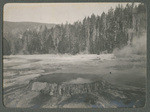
97, 94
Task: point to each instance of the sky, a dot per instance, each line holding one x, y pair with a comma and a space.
53, 12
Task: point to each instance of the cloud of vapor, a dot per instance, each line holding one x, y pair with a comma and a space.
138, 47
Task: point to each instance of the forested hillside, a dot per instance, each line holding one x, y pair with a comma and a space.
94, 35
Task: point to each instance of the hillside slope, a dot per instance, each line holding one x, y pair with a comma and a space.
20, 27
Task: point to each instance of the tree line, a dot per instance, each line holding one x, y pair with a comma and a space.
94, 35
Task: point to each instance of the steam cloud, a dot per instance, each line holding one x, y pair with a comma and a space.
137, 47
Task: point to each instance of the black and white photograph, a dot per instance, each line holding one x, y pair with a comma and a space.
75, 55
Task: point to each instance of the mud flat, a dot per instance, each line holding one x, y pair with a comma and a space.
73, 81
